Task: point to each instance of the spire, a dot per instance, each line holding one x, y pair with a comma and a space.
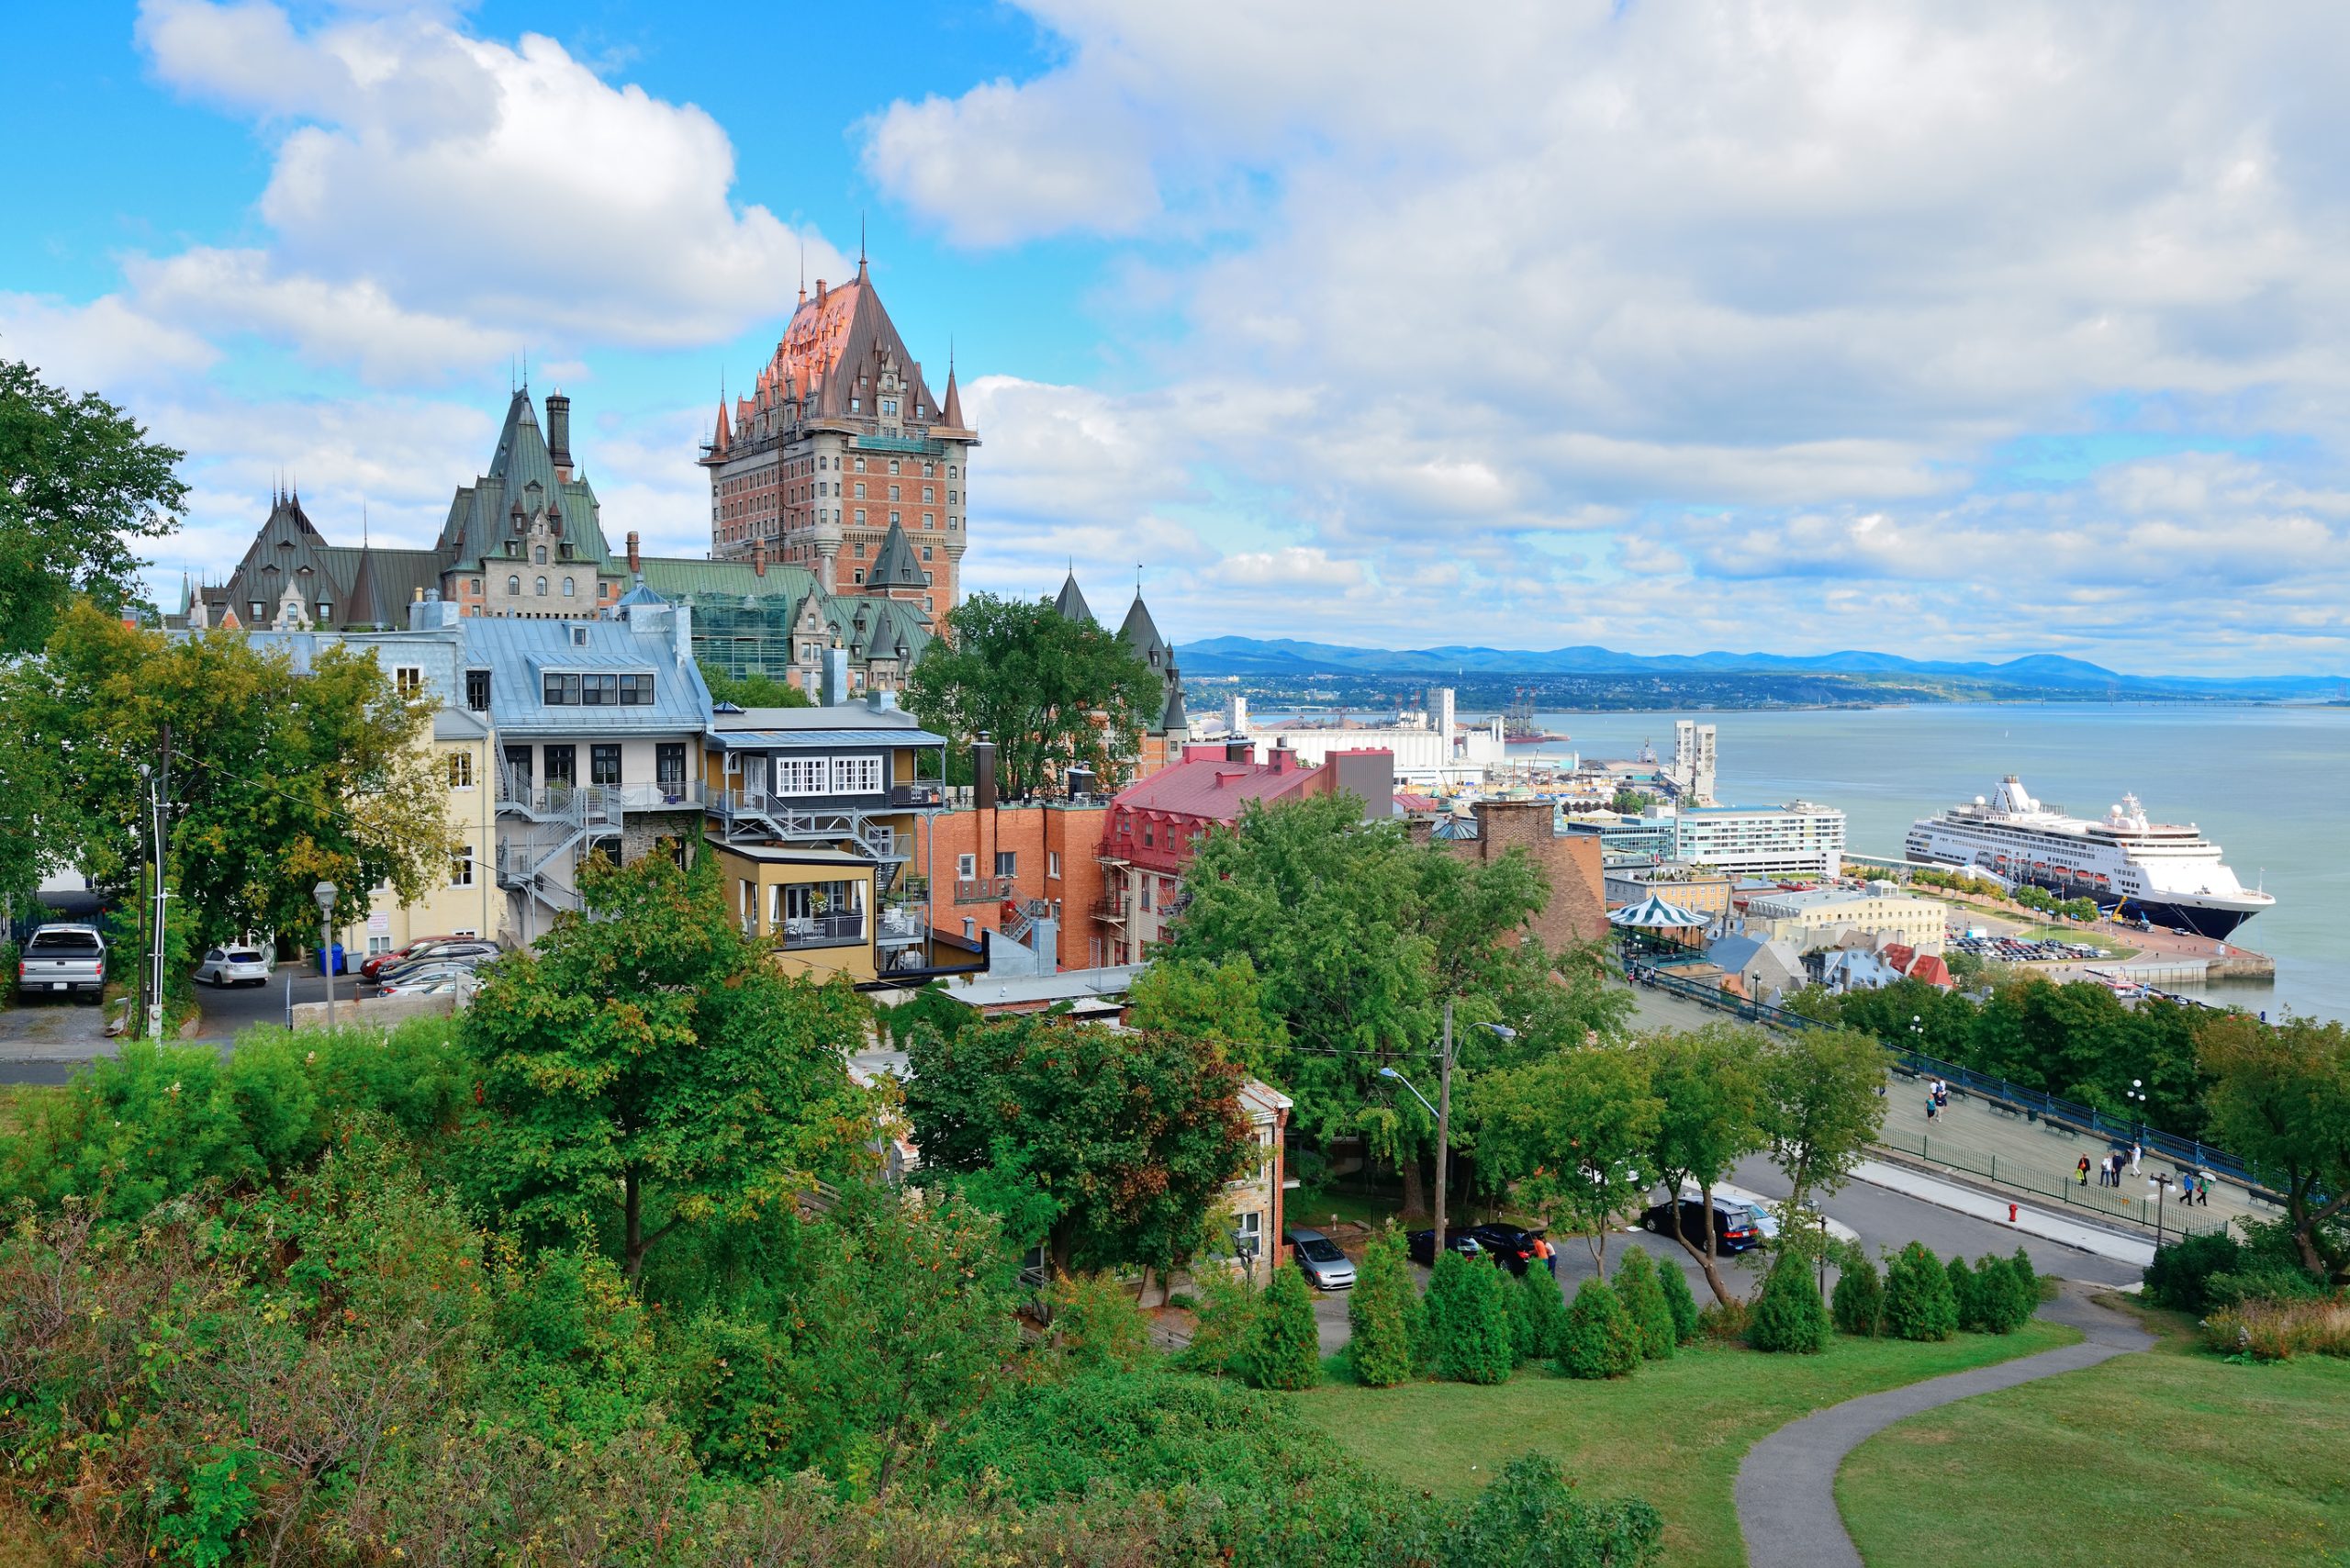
720, 437
952, 414
860, 243
1071, 603
803, 276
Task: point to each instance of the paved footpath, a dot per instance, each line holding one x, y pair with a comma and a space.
1786, 1487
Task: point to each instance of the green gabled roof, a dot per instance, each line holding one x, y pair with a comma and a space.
875, 628
479, 514
895, 566
675, 577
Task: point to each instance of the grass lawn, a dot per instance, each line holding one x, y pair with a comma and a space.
1674, 1433
2173, 1456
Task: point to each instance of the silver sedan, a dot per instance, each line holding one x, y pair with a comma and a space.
234, 966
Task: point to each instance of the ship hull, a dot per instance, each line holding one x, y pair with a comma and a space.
2203, 920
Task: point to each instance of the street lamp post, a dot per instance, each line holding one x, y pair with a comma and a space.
324, 893
1442, 1112
1247, 1253
2137, 1097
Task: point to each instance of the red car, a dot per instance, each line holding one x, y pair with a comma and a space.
374, 965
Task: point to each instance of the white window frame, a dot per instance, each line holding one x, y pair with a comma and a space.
800, 776
967, 867
1052, 864
857, 776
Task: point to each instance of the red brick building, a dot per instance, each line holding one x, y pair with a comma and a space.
1577, 912
988, 864
839, 439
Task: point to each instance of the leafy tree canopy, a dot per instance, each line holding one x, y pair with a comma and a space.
1357, 936
1821, 1105
278, 781
1052, 693
1109, 1147
1568, 1137
1708, 1088
646, 1068
2280, 1097
753, 690
79, 480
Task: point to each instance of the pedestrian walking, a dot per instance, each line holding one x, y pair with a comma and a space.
2136, 1151
2203, 1190
2085, 1170
2186, 1186
1930, 1106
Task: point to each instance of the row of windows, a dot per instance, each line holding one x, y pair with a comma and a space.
826, 776
598, 690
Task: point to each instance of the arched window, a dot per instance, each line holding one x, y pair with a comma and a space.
568, 591
543, 587
514, 584
539, 556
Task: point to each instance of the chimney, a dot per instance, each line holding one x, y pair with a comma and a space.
1284, 759
820, 291
759, 558
1081, 783
635, 564
983, 773
559, 435
835, 690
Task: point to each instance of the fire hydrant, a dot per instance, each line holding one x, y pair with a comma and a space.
2011, 1214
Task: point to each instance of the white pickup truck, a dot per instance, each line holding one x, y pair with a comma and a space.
63, 959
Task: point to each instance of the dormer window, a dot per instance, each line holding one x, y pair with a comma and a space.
538, 556
578, 636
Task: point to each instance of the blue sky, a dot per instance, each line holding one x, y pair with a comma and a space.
1788, 327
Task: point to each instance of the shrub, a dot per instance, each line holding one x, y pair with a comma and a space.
2004, 1300
1725, 1322
1964, 1294
1643, 1297
1385, 1315
1531, 1513
1469, 1318
1601, 1340
2179, 1275
1918, 1300
1542, 1315
1224, 1324
2027, 1277
1097, 1324
1859, 1300
1789, 1317
1678, 1301
2278, 1330
2261, 1280
1285, 1348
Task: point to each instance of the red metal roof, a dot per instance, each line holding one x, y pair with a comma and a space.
1215, 790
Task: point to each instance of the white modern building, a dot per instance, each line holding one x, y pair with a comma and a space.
1693, 761
1798, 839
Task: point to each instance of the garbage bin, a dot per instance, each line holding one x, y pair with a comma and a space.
336, 954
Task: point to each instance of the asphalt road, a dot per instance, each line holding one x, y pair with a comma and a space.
44, 1040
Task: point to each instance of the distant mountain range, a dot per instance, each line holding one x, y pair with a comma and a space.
2034, 672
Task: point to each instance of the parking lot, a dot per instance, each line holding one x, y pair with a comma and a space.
2015, 950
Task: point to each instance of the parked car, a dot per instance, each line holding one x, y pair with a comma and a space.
63, 957
234, 966
381, 961
1327, 1267
440, 948
469, 955
1510, 1245
456, 983
1421, 1245
411, 976
1734, 1228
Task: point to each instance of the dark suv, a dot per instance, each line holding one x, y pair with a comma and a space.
1510, 1245
1421, 1245
1734, 1227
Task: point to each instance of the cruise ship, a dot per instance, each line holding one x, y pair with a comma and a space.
2170, 874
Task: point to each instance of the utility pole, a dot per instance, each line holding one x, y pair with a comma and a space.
160, 795
1443, 1128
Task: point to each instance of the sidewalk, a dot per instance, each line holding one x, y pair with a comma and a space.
2030, 1221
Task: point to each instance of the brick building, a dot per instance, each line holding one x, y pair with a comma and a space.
839, 439
1577, 912
986, 865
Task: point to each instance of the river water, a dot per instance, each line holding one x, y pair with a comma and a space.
2269, 785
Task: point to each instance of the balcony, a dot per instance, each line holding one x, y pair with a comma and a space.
917, 796
984, 889
1110, 911
823, 930
901, 925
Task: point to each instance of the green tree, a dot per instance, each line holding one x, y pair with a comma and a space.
1708, 1087
1385, 1317
1963, 1292
1642, 1294
1285, 1350
1918, 1300
79, 482
1632, 802
1600, 1340
645, 1067
1567, 1136
1789, 1316
1096, 1324
1052, 693
1679, 1301
1533, 1517
277, 781
1469, 1320
1123, 1140
2280, 1098
1857, 1302
1216, 1003
753, 690
1541, 1316
1357, 936
1821, 1106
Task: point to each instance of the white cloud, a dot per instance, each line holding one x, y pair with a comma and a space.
433, 193
105, 345
1292, 567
